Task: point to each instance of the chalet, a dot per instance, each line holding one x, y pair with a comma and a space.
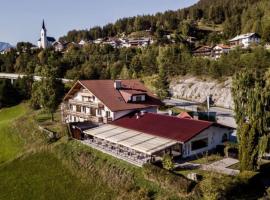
58, 46
145, 137
140, 42
220, 49
245, 40
103, 101
203, 51
114, 42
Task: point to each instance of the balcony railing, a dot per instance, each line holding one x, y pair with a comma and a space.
84, 103
88, 116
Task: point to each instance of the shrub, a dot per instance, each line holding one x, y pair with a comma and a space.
245, 185
167, 162
168, 180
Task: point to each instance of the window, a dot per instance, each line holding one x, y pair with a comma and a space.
199, 144
138, 98
78, 108
225, 138
99, 112
85, 98
84, 109
108, 114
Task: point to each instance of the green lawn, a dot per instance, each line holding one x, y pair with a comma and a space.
43, 176
10, 142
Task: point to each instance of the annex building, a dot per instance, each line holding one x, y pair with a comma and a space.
145, 137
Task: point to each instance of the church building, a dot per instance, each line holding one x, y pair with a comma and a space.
44, 41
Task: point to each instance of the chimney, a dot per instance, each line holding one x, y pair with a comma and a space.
117, 84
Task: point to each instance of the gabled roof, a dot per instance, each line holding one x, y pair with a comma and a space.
164, 126
222, 46
184, 115
203, 48
104, 90
243, 36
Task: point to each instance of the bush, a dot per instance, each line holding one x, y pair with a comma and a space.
168, 180
245, 185
167, 162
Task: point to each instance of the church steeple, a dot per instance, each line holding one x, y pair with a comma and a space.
43, 36
43, 25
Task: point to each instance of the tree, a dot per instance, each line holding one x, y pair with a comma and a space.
124, 73
47, 93
162, 84
167, 162
251, 98
8, 94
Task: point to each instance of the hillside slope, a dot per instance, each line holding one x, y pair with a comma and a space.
237, 16
67, 169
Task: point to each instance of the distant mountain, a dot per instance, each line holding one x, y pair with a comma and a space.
4, 46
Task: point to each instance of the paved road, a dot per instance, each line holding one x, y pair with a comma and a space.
12, 76
223, 115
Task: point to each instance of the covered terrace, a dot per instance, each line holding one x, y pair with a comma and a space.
132, 146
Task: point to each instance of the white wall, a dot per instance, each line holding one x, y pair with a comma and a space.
214, 135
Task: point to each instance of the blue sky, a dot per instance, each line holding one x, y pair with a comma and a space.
20, 20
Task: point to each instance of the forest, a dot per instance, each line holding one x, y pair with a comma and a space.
234, 17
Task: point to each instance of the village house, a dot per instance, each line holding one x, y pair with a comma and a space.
58, 46
142, 137
211, 52
203, 51
220, 49
139, 42
103, 101
245, 40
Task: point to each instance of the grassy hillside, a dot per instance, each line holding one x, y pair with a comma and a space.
36, 168
43, 176
10, 143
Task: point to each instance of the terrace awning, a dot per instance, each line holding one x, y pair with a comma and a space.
135, 140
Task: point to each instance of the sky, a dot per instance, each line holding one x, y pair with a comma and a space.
20, 20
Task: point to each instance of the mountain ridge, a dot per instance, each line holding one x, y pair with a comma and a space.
4, 46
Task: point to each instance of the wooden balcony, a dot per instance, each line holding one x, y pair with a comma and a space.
88, 117
86, 103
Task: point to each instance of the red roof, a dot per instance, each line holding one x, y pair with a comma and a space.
164, 126
112, 98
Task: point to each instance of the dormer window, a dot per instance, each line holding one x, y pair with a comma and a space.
138, 98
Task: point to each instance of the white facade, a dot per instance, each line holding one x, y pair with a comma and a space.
44, 41
84, 96
213, 135
245, 40
218, 50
